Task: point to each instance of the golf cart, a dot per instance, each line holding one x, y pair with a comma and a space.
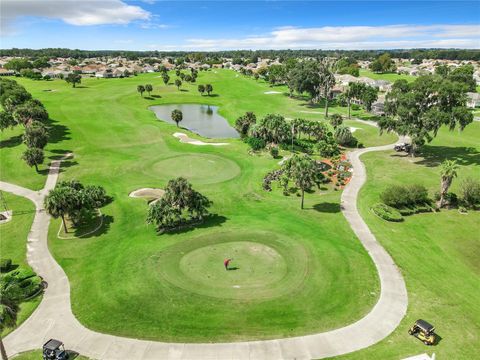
402, 147
423, 331
54, 350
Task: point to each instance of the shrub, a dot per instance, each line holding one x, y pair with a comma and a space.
5, 265
255, 143
407, 196
274, 151
328, 147
343, 136
32, 285
406, 211
22, 273
387, 213
305, 145
355, 107
451, 199
470, 193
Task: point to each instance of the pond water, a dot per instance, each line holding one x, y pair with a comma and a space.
200, 119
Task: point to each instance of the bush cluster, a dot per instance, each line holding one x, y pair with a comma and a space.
255, 143
405, 196
271, 176
30, 284
387, 212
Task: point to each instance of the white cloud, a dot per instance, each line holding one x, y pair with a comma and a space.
350, 37
74, 12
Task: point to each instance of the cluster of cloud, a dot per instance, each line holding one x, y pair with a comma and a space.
74, 12
351, 37
100, 12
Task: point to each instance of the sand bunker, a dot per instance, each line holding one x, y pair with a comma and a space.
311, 112
147, 193
353, 129
272, 92
187, 140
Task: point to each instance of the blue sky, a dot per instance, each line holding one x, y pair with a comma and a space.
217, 25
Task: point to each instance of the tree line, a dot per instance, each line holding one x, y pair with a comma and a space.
438, 54
20, 109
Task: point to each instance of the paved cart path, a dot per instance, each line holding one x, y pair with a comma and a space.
54, 318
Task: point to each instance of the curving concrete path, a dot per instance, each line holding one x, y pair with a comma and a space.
54, 318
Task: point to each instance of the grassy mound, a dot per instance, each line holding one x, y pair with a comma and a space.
264, 265
387, 212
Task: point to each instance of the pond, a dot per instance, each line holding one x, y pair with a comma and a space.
200, 119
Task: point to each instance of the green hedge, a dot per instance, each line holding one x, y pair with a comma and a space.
387, 213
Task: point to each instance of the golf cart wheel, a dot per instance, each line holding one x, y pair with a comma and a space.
426, 342
410, 332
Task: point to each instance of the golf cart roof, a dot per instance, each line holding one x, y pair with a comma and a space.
425, 326
52, 344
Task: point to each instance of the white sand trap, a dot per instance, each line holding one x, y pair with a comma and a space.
147, 193
272, 92
353, 129
311, 112
6, 216
187, 140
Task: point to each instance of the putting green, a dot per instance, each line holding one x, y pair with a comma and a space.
198, 168
264, 265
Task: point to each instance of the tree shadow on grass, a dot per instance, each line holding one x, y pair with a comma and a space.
183, 90
57, 132
211, 221
107, 220
84, 232
435, 155
11, 142
65, 164
58, 154
327, 207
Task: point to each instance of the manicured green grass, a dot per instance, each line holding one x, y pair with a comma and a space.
388, 76
14, 233
438, 253
13, 240
369, 135
119, 144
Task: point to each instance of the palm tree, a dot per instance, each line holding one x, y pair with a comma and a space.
141, 89
57, 204
336, 120
208, 89
165, 78
11, 296
178, 83
448, 172
304, 172
33, 157
149, 88
326, 81
177, 116
343, 135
